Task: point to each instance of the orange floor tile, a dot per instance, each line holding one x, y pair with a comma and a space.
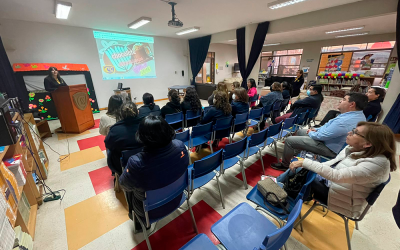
81, 157
91, 218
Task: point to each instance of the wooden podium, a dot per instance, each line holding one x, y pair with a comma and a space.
73, 108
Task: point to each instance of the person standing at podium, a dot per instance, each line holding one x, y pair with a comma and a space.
53, 81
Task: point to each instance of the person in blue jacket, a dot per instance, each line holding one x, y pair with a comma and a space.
149, 107
162, 161
240, 104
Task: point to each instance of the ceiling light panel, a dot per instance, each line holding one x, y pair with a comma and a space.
62, 9
357, 34
188, 30
139, 22
283, 3
345, 30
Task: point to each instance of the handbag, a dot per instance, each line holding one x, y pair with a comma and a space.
294, 184
274, 194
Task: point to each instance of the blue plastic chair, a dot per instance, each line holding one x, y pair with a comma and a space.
161, 197
276, 109
256, 143
202, 134
222, 128
278, 214
372, 197
255, 117
266, 112
239, 124
192, 116
286, 127
205, 170
233, 153
176, 118
311, 116
206, 109
245, 228
284, 104
273, 130
301, 119
254, 98
200, 242
126, 154
185, 138
369, 118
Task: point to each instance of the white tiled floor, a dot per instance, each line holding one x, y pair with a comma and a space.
377, 231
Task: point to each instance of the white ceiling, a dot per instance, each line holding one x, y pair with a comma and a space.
373, 25
211, 16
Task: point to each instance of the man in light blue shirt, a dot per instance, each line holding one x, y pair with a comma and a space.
329, 139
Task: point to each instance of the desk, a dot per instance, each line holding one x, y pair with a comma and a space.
180, 87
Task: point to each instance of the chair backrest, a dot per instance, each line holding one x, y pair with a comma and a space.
159, 197
277, 105
274, 129
126, 154
258, 138
206, 109
369, 118
255, 113
278, 238
235, 149
174, 118
223, 123
241, 118
183, 136
302, 118
254, 98
190, 114
267, 109
207, 164
289, 122
202, 130
312, 113
284, 103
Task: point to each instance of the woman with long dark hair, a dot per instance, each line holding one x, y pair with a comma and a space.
191, 101
162, 161
149, 107
174, 104
286, 90
221, 108
358, 169
110, 118
240, 104
53, 80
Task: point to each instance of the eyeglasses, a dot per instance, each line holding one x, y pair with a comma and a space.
355, 132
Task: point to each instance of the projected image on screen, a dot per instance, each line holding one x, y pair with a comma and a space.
125, 56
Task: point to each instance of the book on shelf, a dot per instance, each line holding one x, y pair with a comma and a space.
7, 235
22, 240
24, 208
16, 166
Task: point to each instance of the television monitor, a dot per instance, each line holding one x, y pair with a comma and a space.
236, 67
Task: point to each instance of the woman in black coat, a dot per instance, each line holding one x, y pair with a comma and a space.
122, 136
53, 81
298, 82
191, 101
172, 107
149, 108
162, 161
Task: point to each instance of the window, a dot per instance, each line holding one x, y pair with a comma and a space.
361, 46
283, 62
351, 47
381, 45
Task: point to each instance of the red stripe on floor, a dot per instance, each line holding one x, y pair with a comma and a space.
102, 180
180, 230
92, 142
254, 172
96, 124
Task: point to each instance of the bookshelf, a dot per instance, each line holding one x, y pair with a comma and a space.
24, 211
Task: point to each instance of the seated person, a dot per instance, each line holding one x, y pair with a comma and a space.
329, 139
313, 101
122, 136
235, 86
375, 97
363, 165
172, 107
191, 101
252, 90
241, 103
286, 90
149, 108
162, 162
110, 118
274, 95
221, 86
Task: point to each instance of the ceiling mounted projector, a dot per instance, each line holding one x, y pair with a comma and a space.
175, 22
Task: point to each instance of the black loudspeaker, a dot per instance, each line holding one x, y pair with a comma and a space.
183, 73
8, 130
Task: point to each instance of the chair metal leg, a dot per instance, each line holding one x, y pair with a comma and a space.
301, 224
260, 209
357, 225
262, 162
145, 234
193, 219
346, 224
306, 214
243, 174
220, 193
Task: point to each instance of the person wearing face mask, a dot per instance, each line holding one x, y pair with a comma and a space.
53, 81
329, 139
235, 86
240, 104
356, 171
313, 101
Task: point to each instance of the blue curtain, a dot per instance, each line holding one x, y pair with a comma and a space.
256, 47
392, 119
8, 81
398, 30
198, 48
